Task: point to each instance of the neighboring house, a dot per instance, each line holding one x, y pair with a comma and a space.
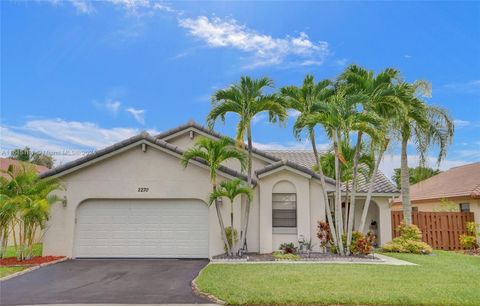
4, 164
134, 199
458, 187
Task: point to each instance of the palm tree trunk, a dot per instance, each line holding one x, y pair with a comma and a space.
351, 213
338, 198
361, 226
249, 182
231, 226
405, 183
345, 213
222, 226
324, 187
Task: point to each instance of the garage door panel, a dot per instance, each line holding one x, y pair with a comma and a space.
142, 228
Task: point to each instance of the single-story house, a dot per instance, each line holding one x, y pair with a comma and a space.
458, 187
134, 199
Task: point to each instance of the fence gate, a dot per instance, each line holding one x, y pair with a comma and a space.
441, 230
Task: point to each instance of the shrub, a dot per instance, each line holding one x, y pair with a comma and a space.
409, 241
362, 244
409, 232
323, 234
228, 232
288, 248
469, 240
285, 256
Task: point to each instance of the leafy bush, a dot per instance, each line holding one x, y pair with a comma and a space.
399, 245
323, 234
288, 248
305, 246
285, 256
469, 240
362, 244
228, 231
409, 241
409, 232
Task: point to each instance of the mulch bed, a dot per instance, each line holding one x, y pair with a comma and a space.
37, 260
314, 256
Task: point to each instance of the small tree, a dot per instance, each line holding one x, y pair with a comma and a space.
36, 158
417, 174
230, 190
215, 152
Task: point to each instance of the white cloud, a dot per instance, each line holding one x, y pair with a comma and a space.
465, 123
138, 114
469, 87
461, 123
291, 145
407, 56
65, 140
264, 49
293, 113
112, 106
392, 161
83, 7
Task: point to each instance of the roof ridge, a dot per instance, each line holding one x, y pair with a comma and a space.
131, 140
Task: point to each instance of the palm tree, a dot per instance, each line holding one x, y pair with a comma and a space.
25, 202
339, 117
307, 100
375, 94
215, 152
347, 169
246, 99
230, 190
425, 126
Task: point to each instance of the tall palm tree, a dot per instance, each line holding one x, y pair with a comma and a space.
215, 152
230, 190
423, 125
339, 117
307, 100
246, 99
373, 93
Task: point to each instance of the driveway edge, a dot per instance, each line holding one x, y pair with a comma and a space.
197, 290
32, 269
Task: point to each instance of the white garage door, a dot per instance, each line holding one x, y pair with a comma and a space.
142, 228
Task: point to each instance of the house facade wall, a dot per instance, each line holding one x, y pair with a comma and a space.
119, 177
307, 215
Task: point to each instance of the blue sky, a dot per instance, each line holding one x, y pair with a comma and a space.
77, 76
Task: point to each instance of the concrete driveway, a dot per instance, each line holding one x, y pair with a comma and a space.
109, 281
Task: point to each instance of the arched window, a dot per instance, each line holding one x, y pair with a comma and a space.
284, 208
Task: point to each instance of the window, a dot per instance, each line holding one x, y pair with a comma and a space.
414, 209
464, 207
284, 213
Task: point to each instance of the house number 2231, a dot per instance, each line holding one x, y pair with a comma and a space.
142, 189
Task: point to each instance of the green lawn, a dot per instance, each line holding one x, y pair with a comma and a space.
4, 271
444, 278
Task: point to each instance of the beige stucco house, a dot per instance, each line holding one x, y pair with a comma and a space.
457, 188
134, 199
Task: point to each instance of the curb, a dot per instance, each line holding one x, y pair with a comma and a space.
197, 290
32, 269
